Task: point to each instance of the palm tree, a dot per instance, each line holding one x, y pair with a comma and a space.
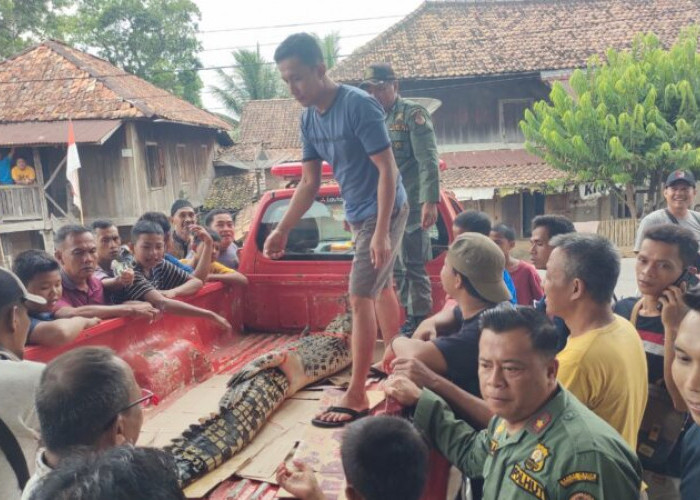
252, 78
330, 46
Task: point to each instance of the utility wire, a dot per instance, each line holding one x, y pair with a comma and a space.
296, 25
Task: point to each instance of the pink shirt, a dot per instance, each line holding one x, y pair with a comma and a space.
528, 285
73, 297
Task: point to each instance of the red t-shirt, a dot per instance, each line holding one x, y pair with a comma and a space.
528, 284
73, 297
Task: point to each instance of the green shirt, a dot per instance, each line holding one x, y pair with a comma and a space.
415, 149
564, 452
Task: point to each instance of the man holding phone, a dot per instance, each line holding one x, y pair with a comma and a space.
664, 270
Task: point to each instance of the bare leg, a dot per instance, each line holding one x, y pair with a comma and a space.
364, 336
388, 313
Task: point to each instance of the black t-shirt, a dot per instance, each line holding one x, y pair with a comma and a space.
651, 330
461, 352
690, 464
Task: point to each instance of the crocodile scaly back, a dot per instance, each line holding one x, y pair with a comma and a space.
254, 393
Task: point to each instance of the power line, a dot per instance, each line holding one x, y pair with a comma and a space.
296, 25
266, 44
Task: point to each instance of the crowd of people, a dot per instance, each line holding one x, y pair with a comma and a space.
553, 389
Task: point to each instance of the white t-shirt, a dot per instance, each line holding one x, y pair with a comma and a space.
690, 221
41, 468
229, 257
18, 383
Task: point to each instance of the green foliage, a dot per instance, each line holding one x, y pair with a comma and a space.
252, 78
24, 22
153, 39
632, 120
330, 46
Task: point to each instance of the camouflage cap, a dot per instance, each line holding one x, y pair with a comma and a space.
377, 74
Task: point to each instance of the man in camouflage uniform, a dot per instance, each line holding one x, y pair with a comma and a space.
542, 443
415, 149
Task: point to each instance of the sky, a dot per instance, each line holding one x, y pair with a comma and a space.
227, 25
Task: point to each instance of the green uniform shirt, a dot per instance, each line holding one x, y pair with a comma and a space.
564, 452
413, 142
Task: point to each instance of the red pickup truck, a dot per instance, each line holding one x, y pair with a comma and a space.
304, 288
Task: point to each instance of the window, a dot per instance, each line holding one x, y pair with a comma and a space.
319, 235
510, 112
184, 170
155, 162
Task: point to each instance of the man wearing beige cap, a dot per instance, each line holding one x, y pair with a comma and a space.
473, 275
18, 380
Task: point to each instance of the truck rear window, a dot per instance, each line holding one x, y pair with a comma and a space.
319, 235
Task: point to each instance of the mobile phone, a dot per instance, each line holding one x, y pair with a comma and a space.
688, 278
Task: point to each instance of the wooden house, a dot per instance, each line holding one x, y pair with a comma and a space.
140, 146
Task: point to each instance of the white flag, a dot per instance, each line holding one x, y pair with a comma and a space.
72, 166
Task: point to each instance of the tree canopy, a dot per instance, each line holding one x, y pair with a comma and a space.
631, 120
252, 78
28, 21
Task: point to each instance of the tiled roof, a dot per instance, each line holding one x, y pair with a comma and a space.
52, 82
248, 152
479, 37
234, 192
496, 169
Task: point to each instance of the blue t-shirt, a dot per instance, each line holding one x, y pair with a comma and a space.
6, 171
690, 464
171, 258
345, 136
510, 286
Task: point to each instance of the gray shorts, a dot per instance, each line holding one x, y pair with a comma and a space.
365, 280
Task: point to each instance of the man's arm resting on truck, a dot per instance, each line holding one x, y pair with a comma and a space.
234, 278
302, 199
142, 309
443, 322
380, 246
162, 303
465, 405
60, 331
189, 287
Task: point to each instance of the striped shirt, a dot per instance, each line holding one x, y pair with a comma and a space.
164, 276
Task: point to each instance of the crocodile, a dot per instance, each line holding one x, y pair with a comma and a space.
254, 393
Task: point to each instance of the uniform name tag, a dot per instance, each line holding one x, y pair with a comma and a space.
578, 477
528, 483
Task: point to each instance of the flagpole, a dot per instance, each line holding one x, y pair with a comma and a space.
72, 169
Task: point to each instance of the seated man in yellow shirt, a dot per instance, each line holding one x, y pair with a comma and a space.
23, 173
603, 363
217, 271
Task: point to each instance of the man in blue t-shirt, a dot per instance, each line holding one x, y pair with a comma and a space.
344, 126
5, 167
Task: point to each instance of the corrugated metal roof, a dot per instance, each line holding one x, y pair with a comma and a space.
43, 133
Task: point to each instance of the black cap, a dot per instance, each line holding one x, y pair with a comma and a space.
681, 176
377, 74
12, 290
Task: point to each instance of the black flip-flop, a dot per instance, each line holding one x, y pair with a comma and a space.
354, 415
377, 373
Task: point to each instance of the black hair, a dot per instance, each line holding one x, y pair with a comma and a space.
302, 46
68, 230
214, 236
673, 234
120, 473
473, 221
159, 218
145, 227
178, 204
692, 297
594, 260
555, 224
79, 394
469, 288
507, 317
505, 231
384, 458
209, 218
32, 262
102, 224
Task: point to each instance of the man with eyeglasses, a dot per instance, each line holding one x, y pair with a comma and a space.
680, 195
87, 400
18, 381
415, 149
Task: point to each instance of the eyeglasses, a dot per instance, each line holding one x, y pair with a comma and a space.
147, 399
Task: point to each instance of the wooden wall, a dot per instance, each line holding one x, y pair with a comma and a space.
470, 111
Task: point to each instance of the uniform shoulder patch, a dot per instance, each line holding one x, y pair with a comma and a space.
582, 496
528, 483
419, 118
579, 477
